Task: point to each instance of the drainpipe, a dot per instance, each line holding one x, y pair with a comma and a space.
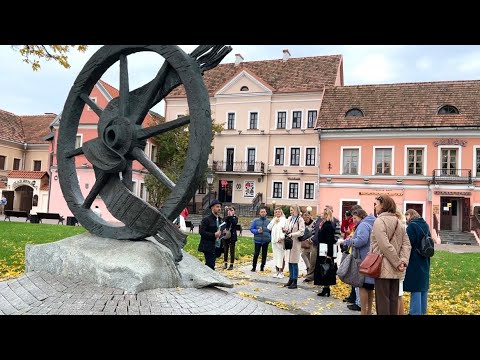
318, 167
24, 155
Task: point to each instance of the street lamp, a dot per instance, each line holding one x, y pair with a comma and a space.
210, 179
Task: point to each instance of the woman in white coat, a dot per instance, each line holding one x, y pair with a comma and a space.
276, 227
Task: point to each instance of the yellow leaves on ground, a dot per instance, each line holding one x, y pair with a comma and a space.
247, 295
278, 304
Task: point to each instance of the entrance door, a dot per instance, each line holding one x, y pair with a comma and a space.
445, 214
225, 191
230, 156
10, 196
466, 214
346, 206
25, 194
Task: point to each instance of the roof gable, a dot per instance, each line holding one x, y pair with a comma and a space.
401, 105
248, 79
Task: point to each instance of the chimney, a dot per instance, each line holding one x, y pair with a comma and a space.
238, 59
286, 55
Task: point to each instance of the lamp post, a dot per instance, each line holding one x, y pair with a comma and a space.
210, 179
273, 206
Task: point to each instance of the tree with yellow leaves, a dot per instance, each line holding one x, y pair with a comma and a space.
33, 53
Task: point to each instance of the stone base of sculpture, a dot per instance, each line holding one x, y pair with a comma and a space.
133, 266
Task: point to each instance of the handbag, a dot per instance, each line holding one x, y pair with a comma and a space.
348, 270
227, 235
326, 273
287, 242
307, 234
306, 244
372, 264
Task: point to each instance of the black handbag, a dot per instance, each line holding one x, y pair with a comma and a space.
287, 242
326, 273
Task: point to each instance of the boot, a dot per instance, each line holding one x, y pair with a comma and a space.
230, 267
225, 265
293, 285
290, 281
325, 292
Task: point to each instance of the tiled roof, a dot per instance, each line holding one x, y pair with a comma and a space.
111, 90
401, 105
11, 127
26, 174
293, 75
44, 187
35, 127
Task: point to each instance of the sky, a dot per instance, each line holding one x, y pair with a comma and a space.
25, 92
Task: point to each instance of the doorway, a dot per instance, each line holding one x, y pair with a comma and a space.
225, 191
24, 195
346, 206
10, 196
454, 214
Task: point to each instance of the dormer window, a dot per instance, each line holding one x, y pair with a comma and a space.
244, 88
354, 112
447, 110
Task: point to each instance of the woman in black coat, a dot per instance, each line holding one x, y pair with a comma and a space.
417, 277
231, 222
325, 235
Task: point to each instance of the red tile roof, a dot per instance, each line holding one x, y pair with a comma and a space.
293, 75
11, 127
401, 105
110, 89
35, 127
44, 187
26, 174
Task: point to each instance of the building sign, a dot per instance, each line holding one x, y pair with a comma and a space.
450, 141
249, 189
293, 178
380, 193
453, 193
21, 182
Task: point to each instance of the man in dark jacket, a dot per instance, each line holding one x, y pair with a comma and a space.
261, 238
210, 233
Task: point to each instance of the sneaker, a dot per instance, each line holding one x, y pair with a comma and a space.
275, 275
280, 275
225, 266
354, 307
230, 267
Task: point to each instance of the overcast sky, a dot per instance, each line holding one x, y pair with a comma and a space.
25, 92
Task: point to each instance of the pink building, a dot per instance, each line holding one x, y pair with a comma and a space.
101, 94
418, 143
268, 150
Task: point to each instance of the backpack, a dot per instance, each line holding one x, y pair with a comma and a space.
427, 246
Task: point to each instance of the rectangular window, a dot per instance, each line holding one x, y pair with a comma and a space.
383, 161
312, 118
78, 141
142, 190
309, 191
16, 164
251, 160
415, 161
231, 121
281, 119
297, 120
2, 162
293, 191
253, 120
449, 162
310, 158
295, 156
153, 154
202, 188
37, 165
134, 187
279, 156
478, 162
350, 161
277, 190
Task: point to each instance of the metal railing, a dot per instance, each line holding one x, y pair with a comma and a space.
239, 166
452, 176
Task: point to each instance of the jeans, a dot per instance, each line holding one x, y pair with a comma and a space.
357, 295
210, 259
418, 303
293, 269
264, 248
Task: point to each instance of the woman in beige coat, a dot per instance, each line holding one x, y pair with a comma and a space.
295, 228
389, 238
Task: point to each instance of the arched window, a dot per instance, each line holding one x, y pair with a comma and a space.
354, 112
447, 109
35, 200
244, 88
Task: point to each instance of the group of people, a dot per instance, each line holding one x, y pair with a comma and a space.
362, 233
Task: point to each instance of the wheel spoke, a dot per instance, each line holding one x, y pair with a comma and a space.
97, 109
147, 133
152, 168
124, 87
100, 182
76, 152
127, 175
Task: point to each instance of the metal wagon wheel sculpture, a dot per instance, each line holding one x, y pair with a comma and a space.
121, 139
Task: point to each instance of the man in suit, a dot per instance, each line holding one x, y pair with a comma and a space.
210, 233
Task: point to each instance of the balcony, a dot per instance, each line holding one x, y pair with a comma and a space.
239, 167
452, 176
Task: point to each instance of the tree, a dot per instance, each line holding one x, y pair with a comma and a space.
171, 157
31, 54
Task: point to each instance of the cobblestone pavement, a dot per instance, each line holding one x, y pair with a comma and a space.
43, 293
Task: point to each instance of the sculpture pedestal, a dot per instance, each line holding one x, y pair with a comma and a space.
133, 266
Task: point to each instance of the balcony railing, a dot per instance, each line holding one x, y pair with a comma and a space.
452, 176
239, 167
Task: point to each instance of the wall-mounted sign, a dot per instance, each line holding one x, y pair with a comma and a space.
249, 189
293, 178
450, 141
380, 193
453, 193
21, 182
